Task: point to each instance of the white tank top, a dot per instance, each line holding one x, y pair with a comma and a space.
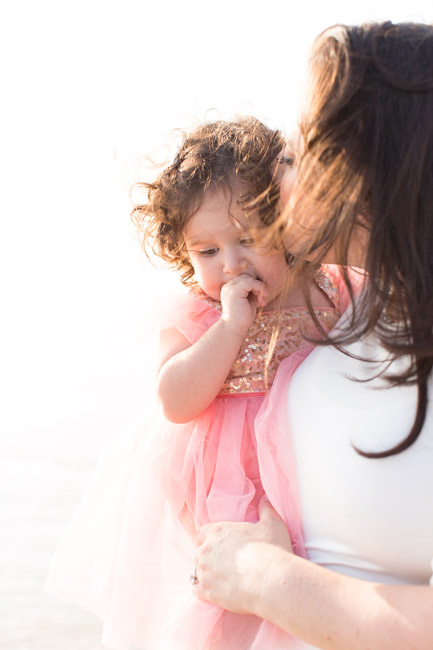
367, 518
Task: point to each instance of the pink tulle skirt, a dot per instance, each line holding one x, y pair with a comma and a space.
129, 550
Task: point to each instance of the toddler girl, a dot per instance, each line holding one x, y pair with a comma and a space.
221, 343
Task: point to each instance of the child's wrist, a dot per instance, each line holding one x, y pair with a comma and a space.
239, 330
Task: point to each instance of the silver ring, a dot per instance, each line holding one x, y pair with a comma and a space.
193, 578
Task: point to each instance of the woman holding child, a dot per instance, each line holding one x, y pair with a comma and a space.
359, 414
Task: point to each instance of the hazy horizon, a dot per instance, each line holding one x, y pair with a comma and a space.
88, 88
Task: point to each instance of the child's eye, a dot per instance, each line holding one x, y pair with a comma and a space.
247, 241
208, 252
286, 160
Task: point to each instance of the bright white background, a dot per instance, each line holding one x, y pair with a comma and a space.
86, 87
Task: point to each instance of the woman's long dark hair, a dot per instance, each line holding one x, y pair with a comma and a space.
366, 162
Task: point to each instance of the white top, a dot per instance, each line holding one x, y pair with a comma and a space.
367, 518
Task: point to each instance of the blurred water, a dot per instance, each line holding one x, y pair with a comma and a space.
78, 381
38, 493
74, 294
77, 359
75, 366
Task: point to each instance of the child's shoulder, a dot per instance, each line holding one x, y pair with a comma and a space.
189, 310
328, 279
185, 297
335, 281
195, 292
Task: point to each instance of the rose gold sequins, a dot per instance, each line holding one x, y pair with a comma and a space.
248, 371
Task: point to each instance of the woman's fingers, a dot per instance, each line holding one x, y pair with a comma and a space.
266, 511
201, 535
272, 527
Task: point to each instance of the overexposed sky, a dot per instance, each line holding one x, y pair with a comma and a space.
86, 86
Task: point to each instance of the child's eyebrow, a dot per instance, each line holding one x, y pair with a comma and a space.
198, 240
243, 226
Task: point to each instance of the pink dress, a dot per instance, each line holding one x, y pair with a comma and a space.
128, 552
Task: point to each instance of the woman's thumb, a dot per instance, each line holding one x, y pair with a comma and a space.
274, 527
266, 511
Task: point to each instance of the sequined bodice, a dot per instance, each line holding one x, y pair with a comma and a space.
274, 334
250, 373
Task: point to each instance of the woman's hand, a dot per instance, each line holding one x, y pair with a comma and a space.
233, 559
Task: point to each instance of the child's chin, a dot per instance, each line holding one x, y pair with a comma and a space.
214, 295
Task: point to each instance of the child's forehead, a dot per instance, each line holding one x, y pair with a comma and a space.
232, 189
220, 209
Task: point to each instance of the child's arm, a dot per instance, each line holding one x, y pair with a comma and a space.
191, 376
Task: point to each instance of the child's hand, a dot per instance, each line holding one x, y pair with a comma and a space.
240, 298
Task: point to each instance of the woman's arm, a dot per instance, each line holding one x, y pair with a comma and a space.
191, 376
249, 568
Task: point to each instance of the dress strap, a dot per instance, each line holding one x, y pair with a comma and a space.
327, 282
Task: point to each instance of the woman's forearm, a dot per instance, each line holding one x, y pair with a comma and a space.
336, 612
249, 568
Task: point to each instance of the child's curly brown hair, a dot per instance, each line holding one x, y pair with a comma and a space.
209, 158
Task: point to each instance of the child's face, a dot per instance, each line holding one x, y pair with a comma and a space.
219, 241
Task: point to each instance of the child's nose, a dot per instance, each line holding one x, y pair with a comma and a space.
234, 262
